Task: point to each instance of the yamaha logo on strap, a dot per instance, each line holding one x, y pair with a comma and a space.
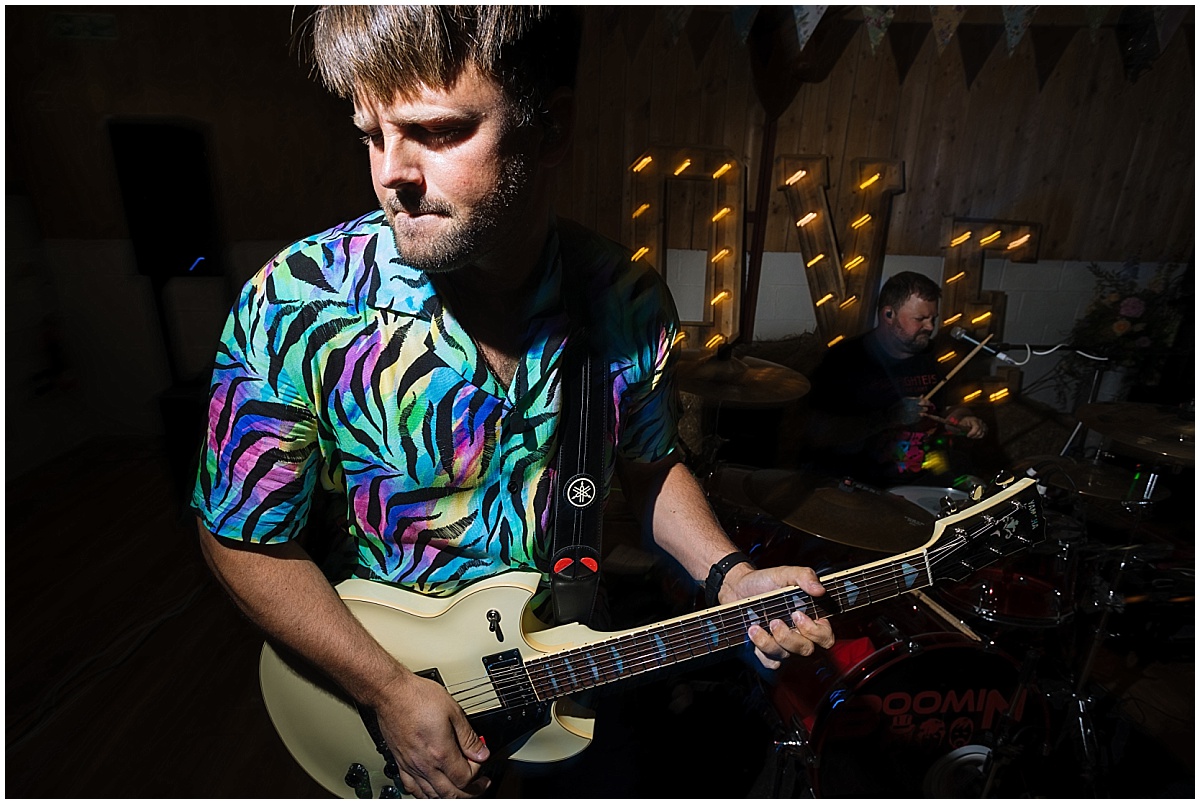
581, 491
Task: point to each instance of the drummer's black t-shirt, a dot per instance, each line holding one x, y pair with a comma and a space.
858, 378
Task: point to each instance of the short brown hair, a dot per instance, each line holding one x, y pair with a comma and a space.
379, 51
904, 284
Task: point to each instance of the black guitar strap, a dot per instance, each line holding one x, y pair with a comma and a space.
583, 440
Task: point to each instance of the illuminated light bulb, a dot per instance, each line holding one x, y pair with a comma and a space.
948, 356
679, 337
724, 211
641, 163
973, 395
720, 297
979, 319
956, 277
795, 177
860, 222
835, 340
807, 219
723, 169
684, 165
855, 262
641, 252
815, 260
720, 255
952, 319
962, 238
998, 395
848, 302
824, 299
1020, 241
992, 238
714, 340
640, 210
869, 182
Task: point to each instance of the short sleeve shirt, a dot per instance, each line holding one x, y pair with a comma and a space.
339, 365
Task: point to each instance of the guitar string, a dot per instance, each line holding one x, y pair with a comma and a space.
646, 656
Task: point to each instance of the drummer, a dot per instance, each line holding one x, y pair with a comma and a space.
865, 417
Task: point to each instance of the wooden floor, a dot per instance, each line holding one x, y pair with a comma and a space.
130, 674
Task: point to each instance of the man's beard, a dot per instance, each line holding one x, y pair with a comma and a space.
473, 232
919, 343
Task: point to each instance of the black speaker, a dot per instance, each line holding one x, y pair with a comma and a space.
167, 191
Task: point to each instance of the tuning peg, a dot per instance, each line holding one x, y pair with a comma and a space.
1004, 479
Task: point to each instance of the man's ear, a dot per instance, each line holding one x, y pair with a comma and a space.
558, 126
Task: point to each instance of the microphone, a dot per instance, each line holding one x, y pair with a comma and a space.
960, 334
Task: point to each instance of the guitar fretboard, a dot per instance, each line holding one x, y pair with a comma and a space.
719, 628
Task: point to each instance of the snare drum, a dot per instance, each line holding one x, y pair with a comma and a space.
907, 706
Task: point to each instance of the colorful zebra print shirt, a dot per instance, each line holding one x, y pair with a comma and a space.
339, 365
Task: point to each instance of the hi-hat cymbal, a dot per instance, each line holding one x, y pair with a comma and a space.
1151, 431
744, 382
1090, 479
847, 513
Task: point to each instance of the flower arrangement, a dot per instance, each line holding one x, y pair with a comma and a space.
1131, 324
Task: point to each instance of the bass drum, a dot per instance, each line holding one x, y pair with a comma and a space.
911, 707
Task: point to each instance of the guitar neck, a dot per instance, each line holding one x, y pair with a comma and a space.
716, 629
960, 543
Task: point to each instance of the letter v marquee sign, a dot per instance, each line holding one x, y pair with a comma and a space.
844, 281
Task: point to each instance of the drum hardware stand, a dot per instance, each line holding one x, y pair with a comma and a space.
795, 751
1081, 703
1006, 751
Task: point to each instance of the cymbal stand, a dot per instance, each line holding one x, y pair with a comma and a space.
1108, 600
1096, 374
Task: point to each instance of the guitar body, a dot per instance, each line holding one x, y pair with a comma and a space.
322, 728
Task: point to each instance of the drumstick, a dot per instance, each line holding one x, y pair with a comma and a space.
954, 370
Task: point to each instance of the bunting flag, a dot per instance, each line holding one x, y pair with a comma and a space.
637, 21
807, 18
676, 18
1166, 22
1049, 44
743, 20
945, 23
976, 42
906, 39
1095, 16
878, 18
702, 28
1016, 22
1137, 40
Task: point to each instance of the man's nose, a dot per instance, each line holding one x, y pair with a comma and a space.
400, 164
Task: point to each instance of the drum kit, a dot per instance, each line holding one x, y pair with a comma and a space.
976, 688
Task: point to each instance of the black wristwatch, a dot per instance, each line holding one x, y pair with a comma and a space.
716, 575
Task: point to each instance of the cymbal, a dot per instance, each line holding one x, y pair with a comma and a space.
744, 382
847, 513
1090, 479
1150, 431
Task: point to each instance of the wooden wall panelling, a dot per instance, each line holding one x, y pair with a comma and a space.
911, 97
1085, 142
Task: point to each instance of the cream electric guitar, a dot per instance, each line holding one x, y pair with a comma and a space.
511, 674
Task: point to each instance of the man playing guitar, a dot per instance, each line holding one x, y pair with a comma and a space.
410, 361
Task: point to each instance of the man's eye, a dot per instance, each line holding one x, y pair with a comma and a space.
374, 139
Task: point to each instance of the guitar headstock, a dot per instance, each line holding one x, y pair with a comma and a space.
1005, 523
